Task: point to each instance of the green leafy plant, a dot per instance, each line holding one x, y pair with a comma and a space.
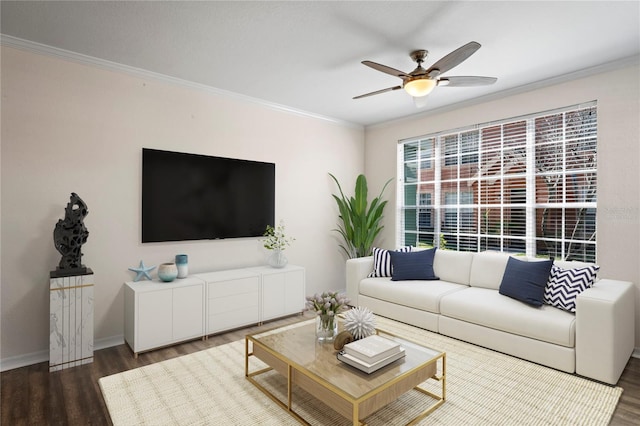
360, 220
442, 245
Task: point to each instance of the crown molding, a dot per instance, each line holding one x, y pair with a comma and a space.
43, 49
26, 45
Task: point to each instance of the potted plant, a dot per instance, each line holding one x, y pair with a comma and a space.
276, 240
360, 220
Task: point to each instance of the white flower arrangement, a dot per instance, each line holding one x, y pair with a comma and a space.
328, 303
276, 239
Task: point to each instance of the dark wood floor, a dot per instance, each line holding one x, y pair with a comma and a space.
33, 396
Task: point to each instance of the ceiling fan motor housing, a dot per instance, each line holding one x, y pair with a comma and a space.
419, 56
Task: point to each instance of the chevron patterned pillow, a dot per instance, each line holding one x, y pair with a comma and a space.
564, 285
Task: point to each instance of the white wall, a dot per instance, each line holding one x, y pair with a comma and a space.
68, 127
618, 96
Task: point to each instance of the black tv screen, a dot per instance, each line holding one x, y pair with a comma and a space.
196, 197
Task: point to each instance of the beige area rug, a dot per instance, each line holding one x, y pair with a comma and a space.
483, 388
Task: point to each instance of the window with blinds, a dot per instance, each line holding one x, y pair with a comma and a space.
523, 185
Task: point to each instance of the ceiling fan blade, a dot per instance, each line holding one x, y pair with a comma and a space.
453, 59
377, 92
385, 69
466, 81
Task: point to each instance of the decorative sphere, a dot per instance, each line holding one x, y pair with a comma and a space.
360, 322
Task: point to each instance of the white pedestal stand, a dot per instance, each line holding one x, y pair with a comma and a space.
70, 320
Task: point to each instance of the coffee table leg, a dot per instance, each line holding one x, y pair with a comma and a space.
289, 373
439, 398
246, 357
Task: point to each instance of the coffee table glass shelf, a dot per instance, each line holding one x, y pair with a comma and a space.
295, 353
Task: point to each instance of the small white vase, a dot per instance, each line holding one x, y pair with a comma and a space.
182, 262
277, 259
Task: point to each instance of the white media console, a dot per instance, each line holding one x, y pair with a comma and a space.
158, 314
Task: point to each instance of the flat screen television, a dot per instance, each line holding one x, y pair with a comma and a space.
197, 197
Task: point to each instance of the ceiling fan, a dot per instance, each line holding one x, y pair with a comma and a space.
420, 82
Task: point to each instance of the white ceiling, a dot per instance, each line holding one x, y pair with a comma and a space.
306, 55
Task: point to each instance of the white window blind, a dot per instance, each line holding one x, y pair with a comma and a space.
523, 185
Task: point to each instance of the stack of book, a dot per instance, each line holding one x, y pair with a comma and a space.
371, 353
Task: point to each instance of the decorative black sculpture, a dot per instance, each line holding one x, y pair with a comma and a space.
68, 237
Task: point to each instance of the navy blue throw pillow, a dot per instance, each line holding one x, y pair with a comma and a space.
525, 281
417, 265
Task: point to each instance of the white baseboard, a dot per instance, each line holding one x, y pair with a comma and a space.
636, 353
43, 356
24, 360
108, 342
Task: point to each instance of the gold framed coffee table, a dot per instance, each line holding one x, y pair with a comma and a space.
296, 354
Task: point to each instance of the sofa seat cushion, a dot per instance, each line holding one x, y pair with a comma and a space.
489, 308
423, 295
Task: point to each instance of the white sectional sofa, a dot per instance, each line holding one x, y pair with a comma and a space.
595, 342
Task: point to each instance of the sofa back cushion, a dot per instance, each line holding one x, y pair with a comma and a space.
572, 264
453, 266
487, 269
569, 264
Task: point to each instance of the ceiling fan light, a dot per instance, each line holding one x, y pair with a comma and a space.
419, 87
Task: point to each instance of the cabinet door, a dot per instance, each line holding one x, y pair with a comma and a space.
294, 292
273, 297
154, 320
188, 312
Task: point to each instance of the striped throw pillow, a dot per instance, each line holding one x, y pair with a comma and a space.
382, 262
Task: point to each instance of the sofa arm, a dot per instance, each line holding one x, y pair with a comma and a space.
605, 329
357, 270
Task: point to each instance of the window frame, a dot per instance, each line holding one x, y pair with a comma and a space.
456, 165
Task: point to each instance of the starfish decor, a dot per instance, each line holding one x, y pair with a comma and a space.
142, 271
